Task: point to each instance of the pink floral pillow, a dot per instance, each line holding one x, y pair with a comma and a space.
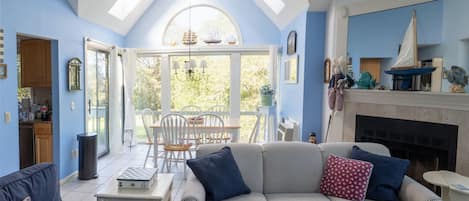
346, 178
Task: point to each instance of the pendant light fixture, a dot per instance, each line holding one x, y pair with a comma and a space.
191, 71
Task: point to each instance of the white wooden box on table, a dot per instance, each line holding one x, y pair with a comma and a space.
161, 191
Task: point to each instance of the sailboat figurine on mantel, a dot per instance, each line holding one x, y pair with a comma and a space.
406, 69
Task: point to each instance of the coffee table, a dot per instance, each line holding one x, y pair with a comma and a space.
161, 191
454, 187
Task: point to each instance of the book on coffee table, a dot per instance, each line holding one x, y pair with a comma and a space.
137, 178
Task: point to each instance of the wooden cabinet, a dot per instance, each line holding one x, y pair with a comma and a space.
43, 142
35, 63
373, 66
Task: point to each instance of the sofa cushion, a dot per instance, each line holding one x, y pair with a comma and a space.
346, 178
292, 167
296, 197
249, 160
248, 197
332, 198
388, 173
38, 182
344, 149
219, 175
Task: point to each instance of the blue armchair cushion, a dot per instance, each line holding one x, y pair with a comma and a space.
219, 174
39, 182
386, 177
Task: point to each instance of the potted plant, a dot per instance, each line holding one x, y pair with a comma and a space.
266, 95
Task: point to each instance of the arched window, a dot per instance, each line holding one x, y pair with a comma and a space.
211, 26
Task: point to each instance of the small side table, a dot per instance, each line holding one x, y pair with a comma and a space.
454, 187
161, 191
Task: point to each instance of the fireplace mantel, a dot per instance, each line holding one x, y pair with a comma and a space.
443, 108
451, 101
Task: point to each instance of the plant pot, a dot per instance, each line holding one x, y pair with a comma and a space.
266, 100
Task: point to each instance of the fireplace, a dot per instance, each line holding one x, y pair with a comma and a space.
429, 146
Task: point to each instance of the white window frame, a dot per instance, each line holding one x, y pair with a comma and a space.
235, 54
236, 25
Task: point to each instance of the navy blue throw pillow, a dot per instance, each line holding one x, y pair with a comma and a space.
219, 174
386, 177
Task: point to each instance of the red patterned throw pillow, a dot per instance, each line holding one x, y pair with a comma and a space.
346, 178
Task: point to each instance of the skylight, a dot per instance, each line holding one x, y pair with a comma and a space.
122, 8
276, 5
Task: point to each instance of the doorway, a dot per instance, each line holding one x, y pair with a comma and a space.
97, 97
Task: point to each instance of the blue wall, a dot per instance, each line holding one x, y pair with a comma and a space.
313, 84
256, 28
379, 34
53, 19
302, 102
291, 95
455, 35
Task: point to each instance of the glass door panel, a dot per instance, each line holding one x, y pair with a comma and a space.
147, 93
254, 74
97, 90
213, 89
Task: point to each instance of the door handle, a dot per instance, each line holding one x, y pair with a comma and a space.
89, 106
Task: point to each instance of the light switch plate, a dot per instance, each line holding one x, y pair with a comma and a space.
72, 105
7, 117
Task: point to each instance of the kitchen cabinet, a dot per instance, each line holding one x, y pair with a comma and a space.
43, 142
26, 144
373, 66
35, 63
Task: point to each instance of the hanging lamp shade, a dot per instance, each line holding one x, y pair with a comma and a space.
193, 63
176, 65
203, 64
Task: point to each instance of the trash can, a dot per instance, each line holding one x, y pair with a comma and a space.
87, 156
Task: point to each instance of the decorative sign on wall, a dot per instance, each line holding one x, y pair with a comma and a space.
3, 66
74, 68
291, 43
291, 70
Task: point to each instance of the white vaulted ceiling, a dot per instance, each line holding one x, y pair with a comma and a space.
280, 12
289, 11
98, 12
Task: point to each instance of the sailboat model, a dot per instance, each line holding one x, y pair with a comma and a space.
408, 57
406, 68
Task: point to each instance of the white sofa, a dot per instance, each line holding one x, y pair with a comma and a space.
292, 172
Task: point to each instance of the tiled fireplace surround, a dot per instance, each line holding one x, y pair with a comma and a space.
441, 108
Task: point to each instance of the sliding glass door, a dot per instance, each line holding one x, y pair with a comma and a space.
97, 94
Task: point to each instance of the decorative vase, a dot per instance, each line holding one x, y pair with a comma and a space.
266, 100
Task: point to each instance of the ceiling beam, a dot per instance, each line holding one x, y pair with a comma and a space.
370, 6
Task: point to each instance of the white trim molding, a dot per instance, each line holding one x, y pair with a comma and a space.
451, 101
370, 6
441, 108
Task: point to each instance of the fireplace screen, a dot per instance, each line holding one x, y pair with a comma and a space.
429, 146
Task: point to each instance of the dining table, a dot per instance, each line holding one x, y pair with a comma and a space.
231, 126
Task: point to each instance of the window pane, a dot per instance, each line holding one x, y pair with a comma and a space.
254, 74
212, 89
208, 23
147, 92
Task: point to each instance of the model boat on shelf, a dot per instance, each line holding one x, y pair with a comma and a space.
406, 70
408, 58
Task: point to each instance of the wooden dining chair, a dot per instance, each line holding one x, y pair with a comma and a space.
212, 130
175, 130
148, 119
220, 110
190, 110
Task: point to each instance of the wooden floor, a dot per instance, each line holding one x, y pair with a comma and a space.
109, 167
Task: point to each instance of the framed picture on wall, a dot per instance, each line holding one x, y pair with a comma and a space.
291, 70
291, 43
74, 66
3, 71
327, 70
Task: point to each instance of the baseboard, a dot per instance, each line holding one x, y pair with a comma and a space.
67, 178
